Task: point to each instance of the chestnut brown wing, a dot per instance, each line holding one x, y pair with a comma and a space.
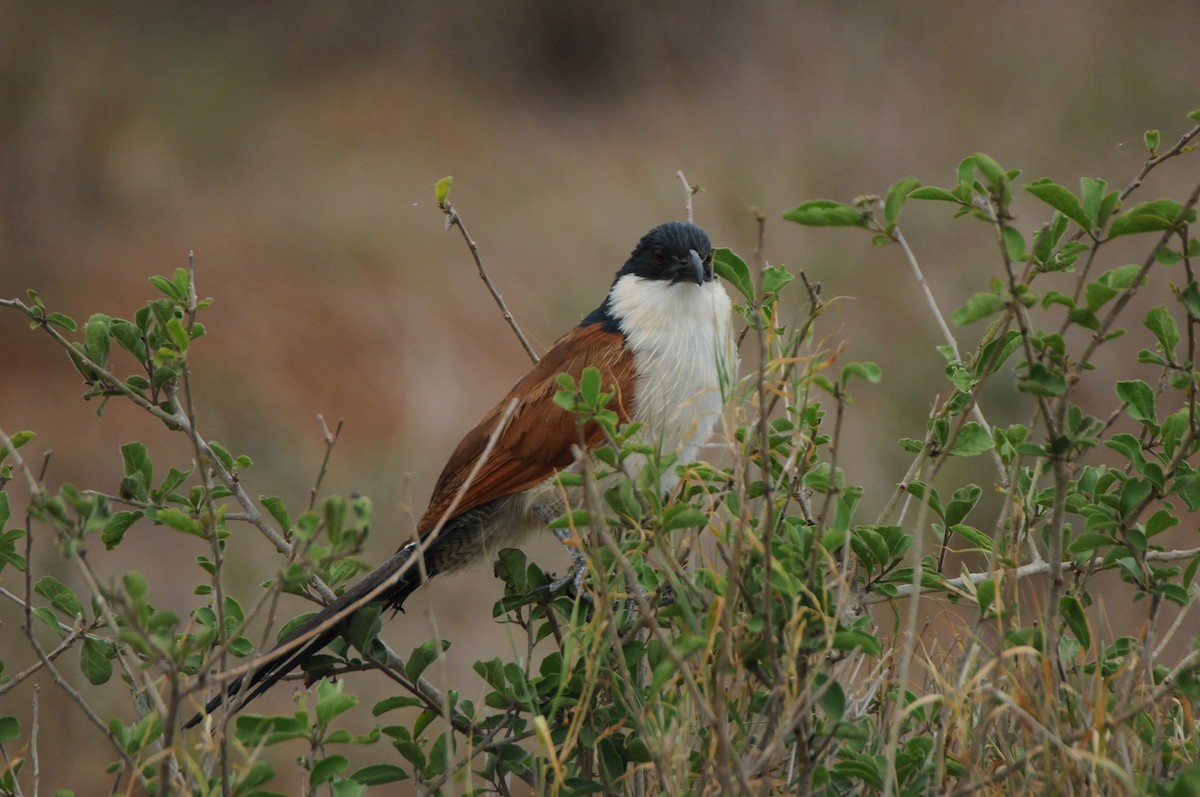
536, 442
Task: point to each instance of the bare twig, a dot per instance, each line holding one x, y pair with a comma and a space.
689, 191
454, 220
330, 439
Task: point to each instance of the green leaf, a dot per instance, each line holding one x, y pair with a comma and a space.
683, 517
973, 535
379, 774
853, 640
61, 596
775, 278
179, 520
1154, 216
324, 769
864, 370
95, 660
1190, 298
331, 702
935, 194
62, 320
96, 339
1093, 200
1151, 138
441, 190
1162, 324
972, 439
990, 169
422, 656
178, 333
274, 506
1140, 398
1043, 382
897, 195
576, 518
1061, 199
734, 270
10, 728
1090, 541
1014, 244
1076, 620
393, 703
116, 526
826, 213
979, 306
139, 470
167, 287
832, 700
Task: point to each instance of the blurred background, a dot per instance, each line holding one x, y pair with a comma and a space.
295, 150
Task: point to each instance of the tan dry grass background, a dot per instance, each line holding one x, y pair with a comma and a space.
295, 147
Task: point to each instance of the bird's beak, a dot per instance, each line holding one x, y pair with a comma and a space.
697, 272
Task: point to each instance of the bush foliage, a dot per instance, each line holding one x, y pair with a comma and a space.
753, 633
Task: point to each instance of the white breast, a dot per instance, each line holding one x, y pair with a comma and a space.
684, 354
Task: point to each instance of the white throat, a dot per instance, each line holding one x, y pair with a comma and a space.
684, 355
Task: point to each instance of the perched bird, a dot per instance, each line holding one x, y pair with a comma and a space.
662, 343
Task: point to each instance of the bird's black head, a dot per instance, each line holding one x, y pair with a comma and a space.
674, 251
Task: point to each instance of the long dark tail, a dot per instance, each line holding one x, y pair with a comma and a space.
245, 689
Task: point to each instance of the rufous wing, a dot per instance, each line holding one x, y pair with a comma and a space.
536, 442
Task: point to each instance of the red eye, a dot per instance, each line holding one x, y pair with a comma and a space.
660, 257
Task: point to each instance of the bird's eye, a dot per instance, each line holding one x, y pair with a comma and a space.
660, 256
708, 260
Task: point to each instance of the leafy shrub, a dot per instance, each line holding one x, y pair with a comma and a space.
754, 633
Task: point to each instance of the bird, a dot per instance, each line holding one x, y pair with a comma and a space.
663, 344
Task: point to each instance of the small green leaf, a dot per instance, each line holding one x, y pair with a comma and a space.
935, 194
734, 270
324, 770
897, 195
10, 728
274, 506
1061, 199
990, 169
1076, 620
972, 439
421, 657
61, 596
96, 338
973, 535
1190, 298
1014, 244
576, 518
683, 517
863, 370
1093, 200
979, 306
1140, 398
331, 702
1043, 382
116, 526
167, 287
441, 191
135, 584
379, 774
1154, 216
853, 640
62, 320
179, 520
95, 660
1151, 138
393, 703
775, 278
1162, 324
826, 213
